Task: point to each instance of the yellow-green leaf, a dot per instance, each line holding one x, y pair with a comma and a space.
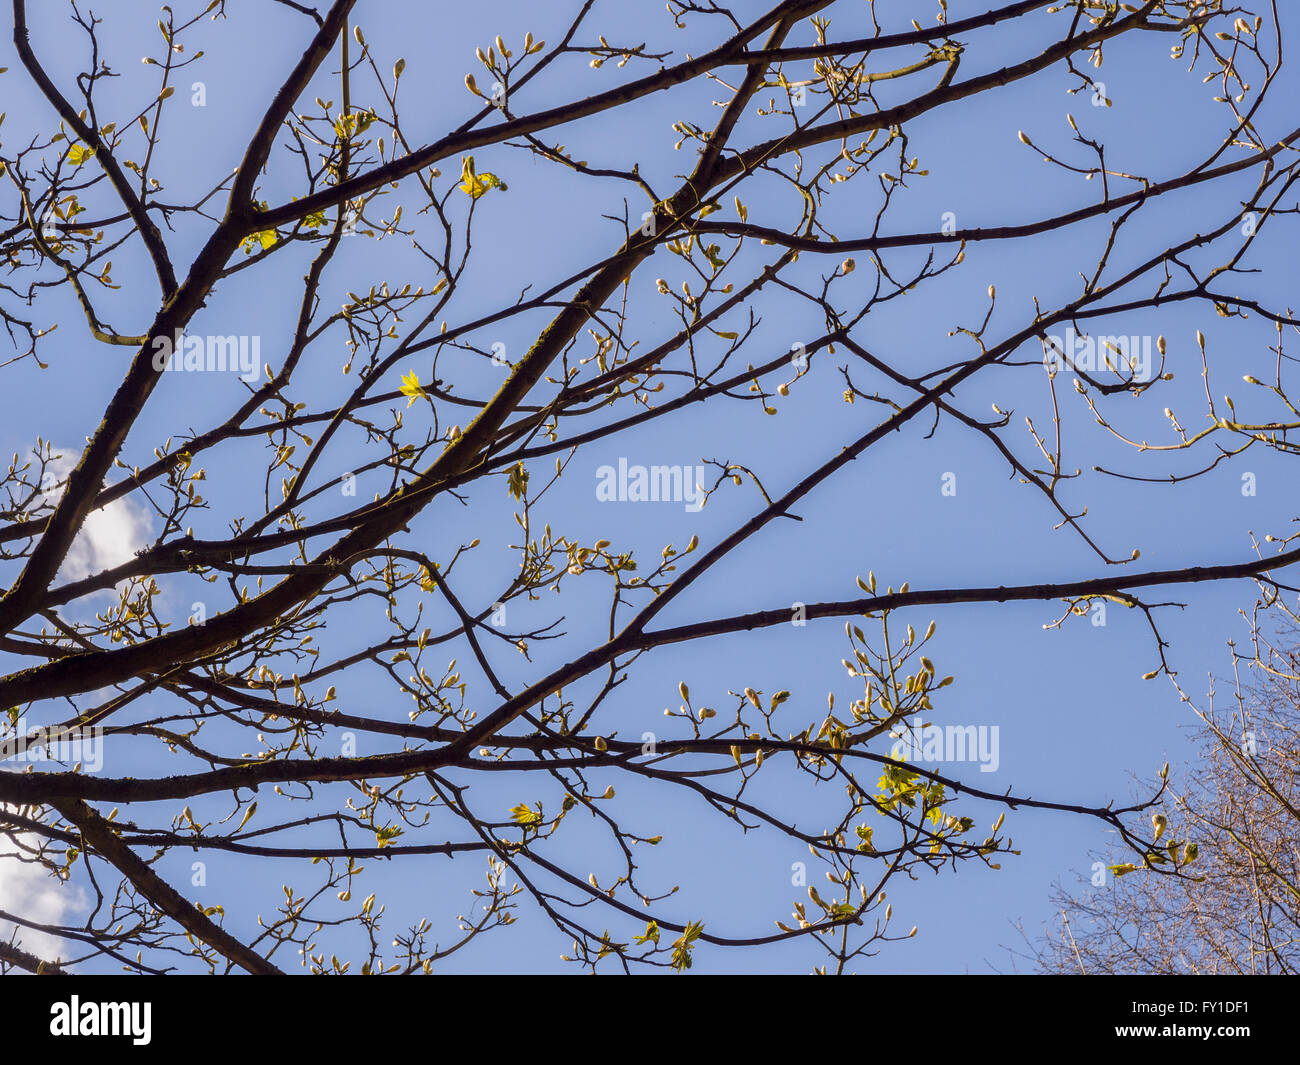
518, 480
475, 184
411, 387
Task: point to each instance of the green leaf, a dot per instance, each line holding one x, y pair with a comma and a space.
518, 480
349, 126
651, 934
266, 238
525, 815
474, 184
411, 387
682, 946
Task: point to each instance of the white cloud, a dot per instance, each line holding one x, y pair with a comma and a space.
108, 537
27, 890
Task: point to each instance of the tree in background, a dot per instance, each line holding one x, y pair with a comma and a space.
1236, 910
362, 639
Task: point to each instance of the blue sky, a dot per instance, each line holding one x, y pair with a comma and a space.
1075, 718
